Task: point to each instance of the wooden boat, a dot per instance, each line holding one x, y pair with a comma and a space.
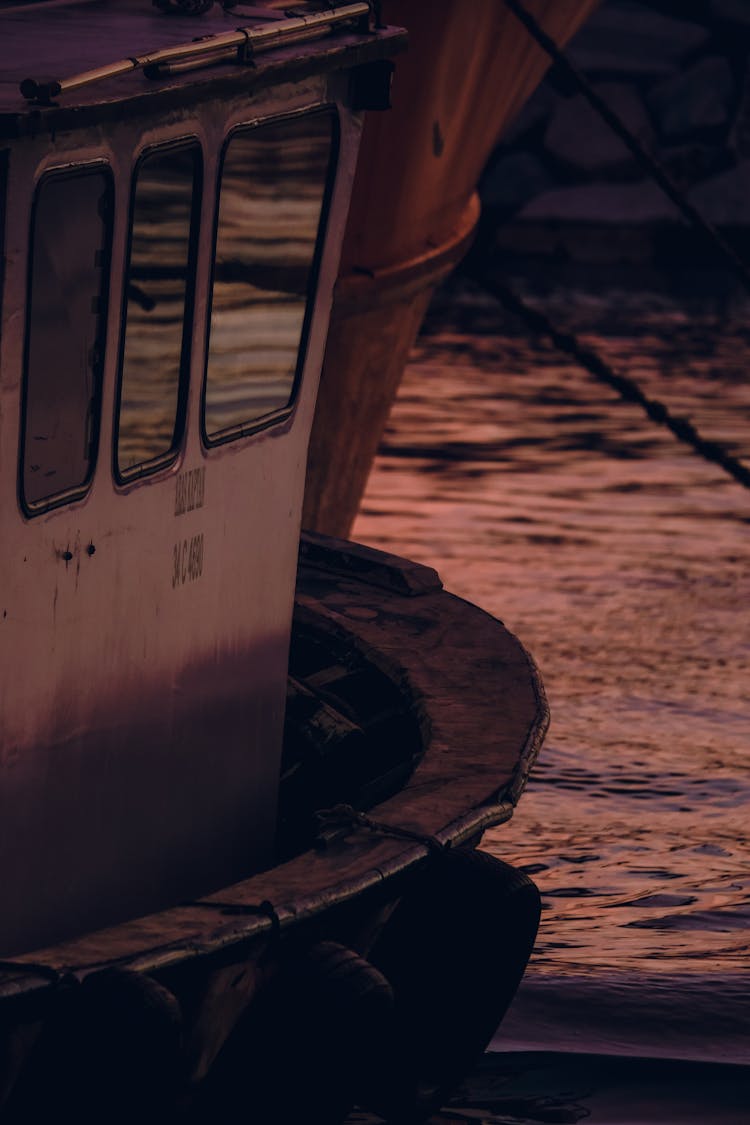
469, 69
197, 904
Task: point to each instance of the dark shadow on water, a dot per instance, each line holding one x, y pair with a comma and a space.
546, 1086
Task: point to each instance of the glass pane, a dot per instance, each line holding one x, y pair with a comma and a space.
156, 350
66, 325
272, 188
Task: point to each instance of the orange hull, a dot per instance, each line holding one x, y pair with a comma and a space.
468, 71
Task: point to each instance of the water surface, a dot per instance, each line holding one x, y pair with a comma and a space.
620, 559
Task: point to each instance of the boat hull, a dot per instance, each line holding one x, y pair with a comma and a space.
475, 701
468, 71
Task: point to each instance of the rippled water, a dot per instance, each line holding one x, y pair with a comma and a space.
620, 559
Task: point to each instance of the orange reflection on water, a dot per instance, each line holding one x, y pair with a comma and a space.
619, 558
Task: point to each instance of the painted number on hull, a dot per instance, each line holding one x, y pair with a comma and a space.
190, 490
187, 560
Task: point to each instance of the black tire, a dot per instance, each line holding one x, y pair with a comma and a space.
300, 1052
454, 952
110, 1051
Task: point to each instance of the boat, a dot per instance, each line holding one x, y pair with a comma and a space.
244, 775
468, 71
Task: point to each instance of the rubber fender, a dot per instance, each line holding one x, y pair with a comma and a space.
303, 1050
454, 952
110, 1051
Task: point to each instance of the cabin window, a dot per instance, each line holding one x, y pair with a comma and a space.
274, 183
158, 309
70, 248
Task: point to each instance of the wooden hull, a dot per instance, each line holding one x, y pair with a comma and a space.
468, 71
476, 707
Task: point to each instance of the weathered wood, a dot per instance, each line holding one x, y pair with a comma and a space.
376, 568
74, 38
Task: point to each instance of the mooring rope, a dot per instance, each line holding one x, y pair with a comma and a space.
567, 342
342, 819
627, 388
651, 166
264, 909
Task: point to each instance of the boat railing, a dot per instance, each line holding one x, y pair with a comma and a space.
240, 45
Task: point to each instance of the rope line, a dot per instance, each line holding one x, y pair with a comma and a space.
627, 388
341, 819
651, 166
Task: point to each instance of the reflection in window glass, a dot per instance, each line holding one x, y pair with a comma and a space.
156, 349
65, 332
272, 188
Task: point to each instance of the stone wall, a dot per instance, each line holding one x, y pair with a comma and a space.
677, 73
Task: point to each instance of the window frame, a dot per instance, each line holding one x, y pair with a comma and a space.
162, 460
31, 508
4, 167
281, 414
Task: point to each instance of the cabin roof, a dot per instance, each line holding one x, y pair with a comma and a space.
53, 41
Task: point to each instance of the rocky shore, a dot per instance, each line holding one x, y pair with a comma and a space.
561, 185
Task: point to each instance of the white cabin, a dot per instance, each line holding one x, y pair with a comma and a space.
169, 246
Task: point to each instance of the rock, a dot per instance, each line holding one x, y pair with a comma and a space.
619, 204
535, 111
689, 163
577, 135
696, 98
514, 179
733, 11
725, 199
739, 137
626, 38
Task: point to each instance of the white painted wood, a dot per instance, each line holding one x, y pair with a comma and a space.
141, 719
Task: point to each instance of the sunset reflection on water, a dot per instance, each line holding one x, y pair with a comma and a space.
620, 559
